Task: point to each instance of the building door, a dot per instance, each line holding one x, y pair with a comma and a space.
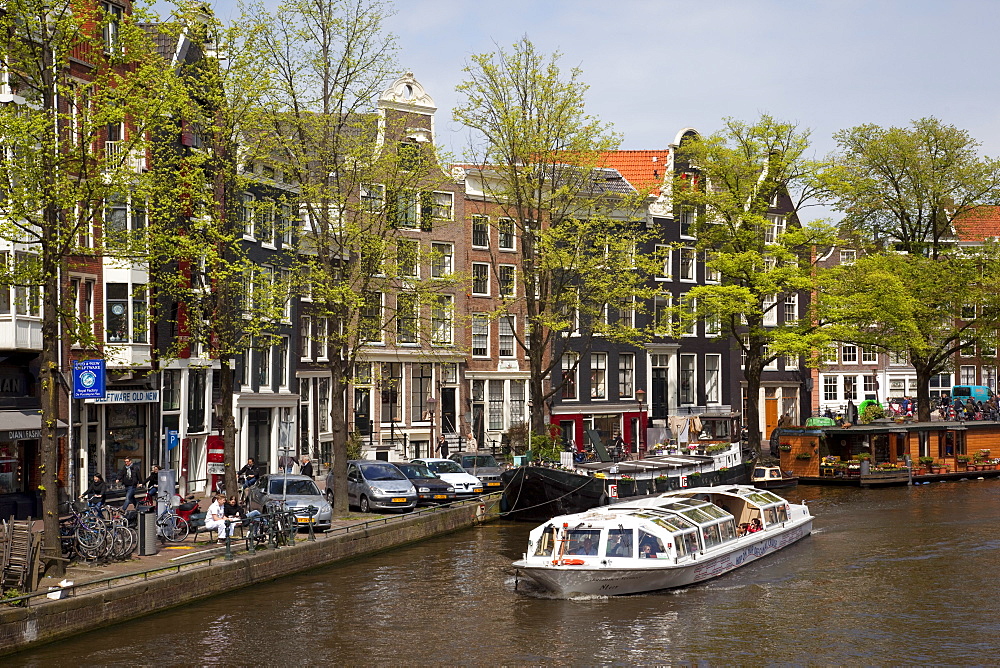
448, 421
770, 415
659, 394
259, 437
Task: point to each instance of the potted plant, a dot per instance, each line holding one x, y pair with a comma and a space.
804, 455
863, 456
785, 447
661, 483
963, 462
626, 486
925, 463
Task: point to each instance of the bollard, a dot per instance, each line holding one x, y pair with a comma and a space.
229, 541
312, 518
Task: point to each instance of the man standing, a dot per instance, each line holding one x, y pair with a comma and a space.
443, 447
306, 468
129, 477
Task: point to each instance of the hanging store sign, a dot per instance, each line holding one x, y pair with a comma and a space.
89, 379
129, 397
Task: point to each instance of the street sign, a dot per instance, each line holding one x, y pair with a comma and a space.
89, 379
172, 439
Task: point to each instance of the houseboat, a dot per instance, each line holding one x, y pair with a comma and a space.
672, 540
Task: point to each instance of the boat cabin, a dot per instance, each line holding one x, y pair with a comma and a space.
672, 526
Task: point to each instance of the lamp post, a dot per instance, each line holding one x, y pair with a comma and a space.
431, 405
640, 396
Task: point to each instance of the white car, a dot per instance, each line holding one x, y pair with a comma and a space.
465, 484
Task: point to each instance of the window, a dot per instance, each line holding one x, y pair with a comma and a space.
666, 253
480, 335
406, 317
774, 229
506, 280
442, 205
371, 317
516, 402
264, 367
171, 389
246, 370
830, 388
481, 231
323, 404
480, 278
421, 376
247, 215
968, 348
110, 27
391, 385
898, 359
869, 356
282, 353
969, 312
687, 220
687, 264
372, 197
264, 225
506, 335
990, 377
769, 310
690, 324
598, 376
939, 384
687, 378
441, 263
870, 384
626, 312
626, 375
126, 314
496, 405
441, 319
407, 212
661, 315
713, 324
713, 379
407, 254
850, 388
569, 372
968, 375
305, 337
791, 312
848, 256
505, 228
849, 354
711, 275
791, 362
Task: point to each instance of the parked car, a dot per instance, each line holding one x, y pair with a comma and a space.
483, 466
465, 484
376, 485
430, 488
297, 491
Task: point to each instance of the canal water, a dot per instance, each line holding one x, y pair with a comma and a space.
890, 576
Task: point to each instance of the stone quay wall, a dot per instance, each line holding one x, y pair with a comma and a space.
48, 620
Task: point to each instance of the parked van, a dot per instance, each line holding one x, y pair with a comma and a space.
977, 392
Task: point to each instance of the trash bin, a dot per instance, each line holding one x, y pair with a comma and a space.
148, 545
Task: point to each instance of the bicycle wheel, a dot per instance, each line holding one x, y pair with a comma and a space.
176, 529
88, 537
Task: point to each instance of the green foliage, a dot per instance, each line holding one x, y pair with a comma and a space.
545, 447
355, 445
871, 412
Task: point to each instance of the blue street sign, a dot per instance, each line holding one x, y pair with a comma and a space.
172, 440
89, 379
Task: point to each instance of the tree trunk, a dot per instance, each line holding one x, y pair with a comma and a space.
536, 391
338, 423
924, 372
228, 421
49, 457
751, 417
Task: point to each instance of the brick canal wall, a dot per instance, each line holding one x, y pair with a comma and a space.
47, 620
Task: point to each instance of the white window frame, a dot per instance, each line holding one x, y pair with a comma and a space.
480, 322
483, 267
443, 320
713, 392
442, 205
503, 336
512, 292
693, 273
626, 376
668, 268
483, 220
501, 235
305, 338
599, 376
693, 398
848, 353
443, 259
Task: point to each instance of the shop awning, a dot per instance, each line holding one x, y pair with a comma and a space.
23, 425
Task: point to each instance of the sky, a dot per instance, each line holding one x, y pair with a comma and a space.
655, 67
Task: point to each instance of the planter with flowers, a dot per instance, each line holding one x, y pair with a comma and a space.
785, 447
626, 486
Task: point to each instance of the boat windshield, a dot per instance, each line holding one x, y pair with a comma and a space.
650, 546
546, 542
775, 514
620, 543
583, 541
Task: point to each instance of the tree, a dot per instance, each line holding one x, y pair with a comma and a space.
906, 186
923, 308
540, 159
362, 178
84, 86
761, 251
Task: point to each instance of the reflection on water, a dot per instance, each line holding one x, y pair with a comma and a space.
890, 576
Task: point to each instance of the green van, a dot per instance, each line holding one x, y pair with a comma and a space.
977, 392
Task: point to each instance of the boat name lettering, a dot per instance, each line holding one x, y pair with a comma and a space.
758, 550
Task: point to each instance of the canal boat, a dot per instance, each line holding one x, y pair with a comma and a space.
772, 477
671, 540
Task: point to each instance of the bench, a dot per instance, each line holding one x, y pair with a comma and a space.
197, 526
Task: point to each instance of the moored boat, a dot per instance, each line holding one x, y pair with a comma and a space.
672, 540
772, 477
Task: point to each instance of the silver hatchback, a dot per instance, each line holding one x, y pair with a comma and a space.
376, 485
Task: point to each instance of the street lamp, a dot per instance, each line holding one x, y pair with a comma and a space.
431, 405
640, 396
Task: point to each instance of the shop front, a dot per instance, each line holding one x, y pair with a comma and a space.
123, 431
20, 440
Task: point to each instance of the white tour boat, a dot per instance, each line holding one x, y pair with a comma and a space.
672, 540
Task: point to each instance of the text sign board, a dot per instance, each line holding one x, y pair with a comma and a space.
89, 379
128, 397
613, 491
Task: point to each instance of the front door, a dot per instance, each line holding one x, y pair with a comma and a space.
770, 415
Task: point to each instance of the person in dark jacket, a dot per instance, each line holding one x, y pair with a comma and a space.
249, 473
129, 477
97, 491
306, 468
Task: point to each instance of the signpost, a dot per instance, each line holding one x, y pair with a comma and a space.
89, 379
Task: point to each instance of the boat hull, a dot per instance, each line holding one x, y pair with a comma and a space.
602, 577
536, 493
775, 483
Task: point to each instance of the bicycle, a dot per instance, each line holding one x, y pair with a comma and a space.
170, 526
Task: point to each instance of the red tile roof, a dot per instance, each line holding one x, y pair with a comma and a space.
978, 224
643, 169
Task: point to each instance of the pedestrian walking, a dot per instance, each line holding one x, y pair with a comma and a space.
129, 477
